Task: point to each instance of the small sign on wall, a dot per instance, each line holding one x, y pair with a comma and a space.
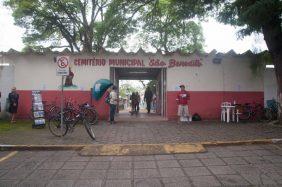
62, 65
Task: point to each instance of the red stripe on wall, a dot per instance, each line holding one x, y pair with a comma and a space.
78, 96
207, 104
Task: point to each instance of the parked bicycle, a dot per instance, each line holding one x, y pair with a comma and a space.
271, 112
250, 112
71, 117
69, 104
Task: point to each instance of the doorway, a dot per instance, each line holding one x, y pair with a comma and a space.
157, 76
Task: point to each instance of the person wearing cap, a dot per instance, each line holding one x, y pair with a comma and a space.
113, 103
182, 101
14, 101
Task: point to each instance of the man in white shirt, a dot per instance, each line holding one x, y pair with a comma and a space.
113, 104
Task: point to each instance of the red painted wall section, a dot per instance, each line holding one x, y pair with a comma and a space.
78, 96
207, 104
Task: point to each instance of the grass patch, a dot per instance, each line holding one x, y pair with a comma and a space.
6, 126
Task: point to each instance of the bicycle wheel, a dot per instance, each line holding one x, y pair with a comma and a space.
89, 128
95, 115
55, 127
88, 122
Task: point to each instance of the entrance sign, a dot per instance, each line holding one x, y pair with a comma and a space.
62, 65
136, 62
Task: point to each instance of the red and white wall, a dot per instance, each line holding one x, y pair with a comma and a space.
211, 84
208, 83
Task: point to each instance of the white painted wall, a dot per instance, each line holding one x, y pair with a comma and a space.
207, 77
233, 74
6, 83
38, 72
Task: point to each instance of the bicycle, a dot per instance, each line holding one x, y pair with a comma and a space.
271, 112
250, 112
71, 117
94, 118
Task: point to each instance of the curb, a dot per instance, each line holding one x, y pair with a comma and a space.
242, 142
141, 149
40, 147
4, 147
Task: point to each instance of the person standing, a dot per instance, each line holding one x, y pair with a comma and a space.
182, 101
148, 98
154, 103
113, 103
14, 101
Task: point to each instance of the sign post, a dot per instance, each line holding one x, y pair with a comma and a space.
62, 70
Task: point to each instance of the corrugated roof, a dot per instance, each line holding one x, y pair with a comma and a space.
140, 51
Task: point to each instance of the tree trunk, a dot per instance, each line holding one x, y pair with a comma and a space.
277, 60
273, 38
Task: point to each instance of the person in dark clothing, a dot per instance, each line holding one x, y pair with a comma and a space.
148, 98
138, 101
134, 102
14, 101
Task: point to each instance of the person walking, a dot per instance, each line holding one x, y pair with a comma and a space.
148, 98
113, 104
182, 101
134, 102
138, 102
14, 101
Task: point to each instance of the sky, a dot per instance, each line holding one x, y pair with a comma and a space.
217, 36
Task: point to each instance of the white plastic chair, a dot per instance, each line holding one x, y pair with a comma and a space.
224, 110
237, 115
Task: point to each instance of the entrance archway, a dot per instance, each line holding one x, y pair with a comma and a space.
158, 74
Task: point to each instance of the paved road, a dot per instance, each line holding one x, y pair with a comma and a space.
251, 165
147, 132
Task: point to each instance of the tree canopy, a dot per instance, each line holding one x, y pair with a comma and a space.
84, 25
163, 30
262, 16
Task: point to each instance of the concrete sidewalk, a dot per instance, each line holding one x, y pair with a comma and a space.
248, 165
146, 132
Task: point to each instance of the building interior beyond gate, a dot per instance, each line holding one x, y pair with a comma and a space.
141, 74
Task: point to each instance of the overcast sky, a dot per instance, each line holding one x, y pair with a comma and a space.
217, 36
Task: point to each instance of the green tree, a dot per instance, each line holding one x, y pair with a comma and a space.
260, 16
163, 30
85, 25
126, 89
153, 85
